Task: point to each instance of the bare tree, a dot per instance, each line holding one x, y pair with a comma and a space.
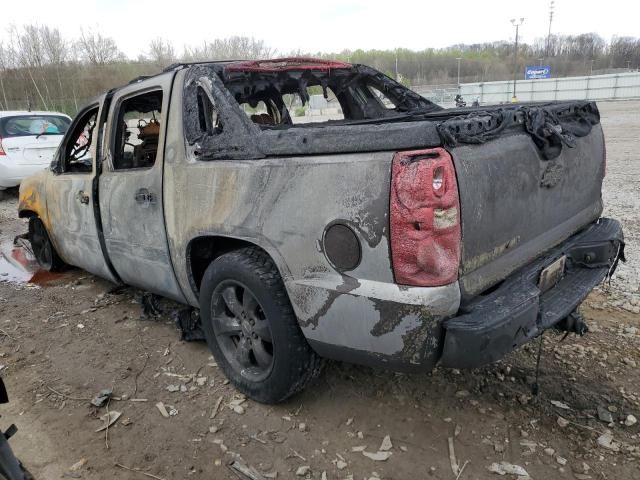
97, 49
56, 49
161, 52
27, 46
232, 48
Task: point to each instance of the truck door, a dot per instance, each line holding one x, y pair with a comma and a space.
71, 196
131, 202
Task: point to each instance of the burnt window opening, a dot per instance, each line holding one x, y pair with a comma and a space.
296, 97
78, 151
264, 112
384, 99
208, 118
138, 131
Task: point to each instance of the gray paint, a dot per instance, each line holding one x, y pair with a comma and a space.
247, 189
134, 232
513, 215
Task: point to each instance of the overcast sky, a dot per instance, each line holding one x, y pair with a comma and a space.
324, 25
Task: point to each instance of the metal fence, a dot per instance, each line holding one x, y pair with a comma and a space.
594, 87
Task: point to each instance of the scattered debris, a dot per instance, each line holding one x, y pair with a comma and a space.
606, 441
506, 468
78, 465
386, 444
216, 407
340, 464
630, 421
359, 448
377, 456
201, 381
455, 468
562, 422
559, 404
236, 405
303, 470
162, 409
302, 427
604, 414
296, 454
138, 470
103, 396
109, 419
249, 472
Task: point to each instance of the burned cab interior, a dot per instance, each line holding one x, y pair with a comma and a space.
138, 131
299, 106
277, 93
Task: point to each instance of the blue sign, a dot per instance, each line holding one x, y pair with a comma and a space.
533, 72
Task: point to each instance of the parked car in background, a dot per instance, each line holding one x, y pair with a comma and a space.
28, 141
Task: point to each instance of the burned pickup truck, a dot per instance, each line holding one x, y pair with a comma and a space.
374, 228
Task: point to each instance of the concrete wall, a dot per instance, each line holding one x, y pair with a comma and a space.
596, 87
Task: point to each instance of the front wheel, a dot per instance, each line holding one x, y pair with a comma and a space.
251, 328
42, 247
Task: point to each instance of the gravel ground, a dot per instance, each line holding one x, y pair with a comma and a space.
64, 341
621, 122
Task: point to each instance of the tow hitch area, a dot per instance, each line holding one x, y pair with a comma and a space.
544, 294
574, 323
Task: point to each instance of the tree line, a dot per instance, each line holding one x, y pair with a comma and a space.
40, 69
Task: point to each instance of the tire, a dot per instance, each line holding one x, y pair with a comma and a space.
43, 249
251, 328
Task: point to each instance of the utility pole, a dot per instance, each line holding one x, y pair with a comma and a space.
591, 72
458, 59
551, 6
515, 56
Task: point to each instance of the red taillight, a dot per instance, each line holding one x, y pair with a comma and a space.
2, 152
425, 218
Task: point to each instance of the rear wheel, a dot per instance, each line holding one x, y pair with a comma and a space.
42, 247
251, 328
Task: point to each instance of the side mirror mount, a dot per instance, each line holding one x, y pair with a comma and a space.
56, 163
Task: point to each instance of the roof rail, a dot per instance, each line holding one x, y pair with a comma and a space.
139, 79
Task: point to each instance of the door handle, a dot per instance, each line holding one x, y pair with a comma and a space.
83, 197
144, 197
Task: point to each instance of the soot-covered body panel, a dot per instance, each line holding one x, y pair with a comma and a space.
238, 168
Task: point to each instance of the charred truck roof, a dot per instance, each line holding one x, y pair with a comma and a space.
377, 113
359, 91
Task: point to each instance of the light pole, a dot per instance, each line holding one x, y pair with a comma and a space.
458, 59
515, 56
550, 20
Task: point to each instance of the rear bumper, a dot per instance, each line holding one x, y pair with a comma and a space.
492, 325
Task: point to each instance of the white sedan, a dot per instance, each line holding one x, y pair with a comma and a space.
28, 141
